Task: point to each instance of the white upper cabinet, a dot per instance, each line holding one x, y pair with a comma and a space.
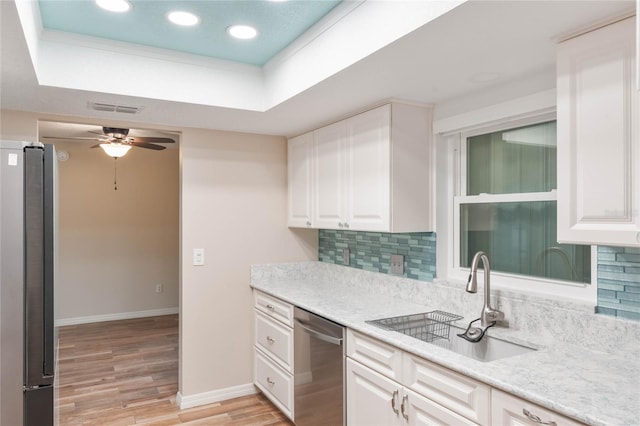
598, 145
371, 172
368, 151
329, 176
299, 180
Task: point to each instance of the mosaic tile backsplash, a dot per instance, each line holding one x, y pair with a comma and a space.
372, 251
619, 282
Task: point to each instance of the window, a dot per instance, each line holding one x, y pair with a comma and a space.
506, 205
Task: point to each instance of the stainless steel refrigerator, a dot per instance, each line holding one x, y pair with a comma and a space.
27, 263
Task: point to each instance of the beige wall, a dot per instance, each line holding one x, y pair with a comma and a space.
113, 246
233, 206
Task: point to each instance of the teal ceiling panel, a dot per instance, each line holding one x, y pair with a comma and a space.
279, 23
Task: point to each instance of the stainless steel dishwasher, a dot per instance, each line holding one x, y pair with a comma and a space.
318, 370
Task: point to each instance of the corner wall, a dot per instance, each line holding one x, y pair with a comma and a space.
233, 204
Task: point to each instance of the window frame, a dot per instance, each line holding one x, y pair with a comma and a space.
541, 286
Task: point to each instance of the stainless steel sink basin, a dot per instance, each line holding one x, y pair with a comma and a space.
439, 332
486, 350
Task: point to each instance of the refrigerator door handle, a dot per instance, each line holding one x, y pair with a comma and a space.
49, 245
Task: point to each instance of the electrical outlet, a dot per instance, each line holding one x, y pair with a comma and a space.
345, 257
159, 288
397, 264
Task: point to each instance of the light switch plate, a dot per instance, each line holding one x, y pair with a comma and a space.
198, 257
397, 264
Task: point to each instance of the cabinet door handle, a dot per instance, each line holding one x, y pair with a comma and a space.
393, 401
308, 223
537, 419
346, 225
270, 307
270, 339
271, 382
340, 225
405, 402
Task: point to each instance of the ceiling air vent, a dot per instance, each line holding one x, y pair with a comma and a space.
124, 109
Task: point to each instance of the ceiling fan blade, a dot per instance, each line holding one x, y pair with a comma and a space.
71, 138
95, 146
152, 139
147, 145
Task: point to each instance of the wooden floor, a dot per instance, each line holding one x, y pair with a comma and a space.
126, 373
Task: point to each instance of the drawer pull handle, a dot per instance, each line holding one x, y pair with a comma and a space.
393, 401
270, 307
537, 419
270, 339
270, 382
405, 400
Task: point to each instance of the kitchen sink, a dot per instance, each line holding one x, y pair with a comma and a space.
431, 329
486, 350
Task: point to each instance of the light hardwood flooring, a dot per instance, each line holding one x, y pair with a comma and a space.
126, 373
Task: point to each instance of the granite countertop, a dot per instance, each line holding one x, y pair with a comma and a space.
595, 387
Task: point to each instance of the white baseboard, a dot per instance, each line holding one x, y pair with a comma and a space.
214, 396
114, 317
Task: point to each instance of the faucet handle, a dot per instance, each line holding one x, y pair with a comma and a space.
490, 315
494, 315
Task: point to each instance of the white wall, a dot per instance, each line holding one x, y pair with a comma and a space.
234, 206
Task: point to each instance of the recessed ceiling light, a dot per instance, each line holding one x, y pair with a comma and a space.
244, 32
114, 5
180, 17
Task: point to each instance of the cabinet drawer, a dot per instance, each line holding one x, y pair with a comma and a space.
275, 308
454, 391
376, 355
275, 340
275, 383
510, 410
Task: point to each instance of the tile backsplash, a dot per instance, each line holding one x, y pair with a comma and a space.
619, 282
372, 251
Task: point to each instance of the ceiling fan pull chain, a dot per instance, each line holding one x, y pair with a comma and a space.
115, 173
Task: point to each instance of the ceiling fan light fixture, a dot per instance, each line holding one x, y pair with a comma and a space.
242, 32
115, 150
114, 5
186, 19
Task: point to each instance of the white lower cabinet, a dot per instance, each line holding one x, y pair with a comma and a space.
273, 350
274, 382
373, 399
387, 386
508, 410
422, 411
451, 390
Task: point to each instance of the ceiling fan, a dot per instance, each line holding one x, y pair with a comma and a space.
116, 141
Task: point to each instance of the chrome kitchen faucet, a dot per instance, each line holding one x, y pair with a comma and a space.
489, 315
